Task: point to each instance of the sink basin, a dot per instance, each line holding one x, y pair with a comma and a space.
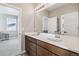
50, 37
34, 33
54, 39
46, 35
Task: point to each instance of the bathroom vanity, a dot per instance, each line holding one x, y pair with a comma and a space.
38, 45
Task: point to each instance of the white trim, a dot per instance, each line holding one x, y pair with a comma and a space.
12, 6
21, 53
19, 17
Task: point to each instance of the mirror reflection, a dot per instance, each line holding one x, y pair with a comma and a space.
59, 19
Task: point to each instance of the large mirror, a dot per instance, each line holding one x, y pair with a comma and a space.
61, 19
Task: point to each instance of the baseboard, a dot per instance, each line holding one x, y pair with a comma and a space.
21, 52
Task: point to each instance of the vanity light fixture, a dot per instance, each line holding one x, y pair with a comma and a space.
43, 6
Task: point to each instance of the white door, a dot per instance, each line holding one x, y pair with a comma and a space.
52, 25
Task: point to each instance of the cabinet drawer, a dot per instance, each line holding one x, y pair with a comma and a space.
55, 49
32, 39
32, 46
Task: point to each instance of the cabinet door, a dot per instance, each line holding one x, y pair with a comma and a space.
32, 53
32, 39
27, 45
32, 49
56, 50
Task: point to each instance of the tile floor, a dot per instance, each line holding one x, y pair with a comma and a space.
9, 47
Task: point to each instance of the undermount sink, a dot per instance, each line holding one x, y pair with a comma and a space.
34, 33
51, 37
54, 39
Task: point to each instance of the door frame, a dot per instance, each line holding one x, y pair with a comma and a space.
19, 21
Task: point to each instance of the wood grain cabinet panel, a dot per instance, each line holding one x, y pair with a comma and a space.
32, 53
36, 47
30, 46
57, 50
52, 54
27, 45
33, 46
32, 39
42, 52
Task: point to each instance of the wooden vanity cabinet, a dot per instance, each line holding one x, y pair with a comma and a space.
56, 50
43, 52
30, 46
35, 47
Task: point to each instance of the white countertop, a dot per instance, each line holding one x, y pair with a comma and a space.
67, 42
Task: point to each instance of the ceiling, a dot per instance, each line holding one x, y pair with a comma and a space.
49, 6
57, 5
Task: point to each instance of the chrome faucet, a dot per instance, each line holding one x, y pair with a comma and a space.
57, 34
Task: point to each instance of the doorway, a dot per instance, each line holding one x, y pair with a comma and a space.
10, 30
